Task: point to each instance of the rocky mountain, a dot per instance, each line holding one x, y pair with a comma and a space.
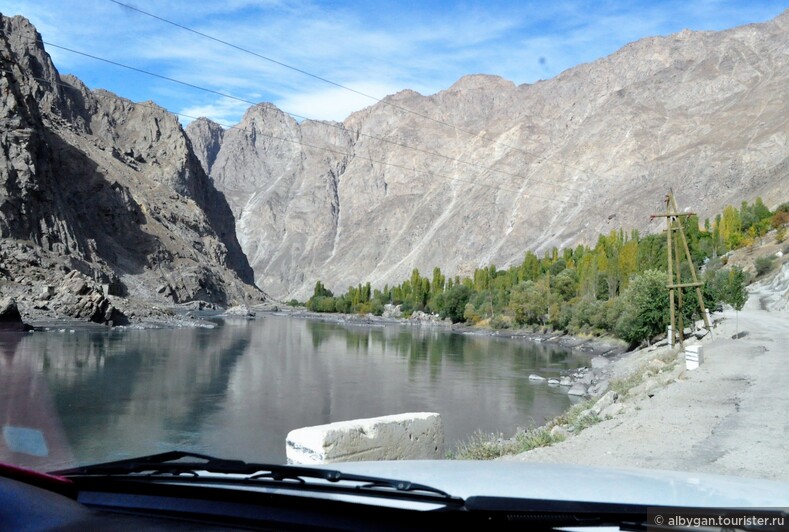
481, 172
102, 198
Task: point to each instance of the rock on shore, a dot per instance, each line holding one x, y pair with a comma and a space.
10, 319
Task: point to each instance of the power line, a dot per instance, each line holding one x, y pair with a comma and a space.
344, 87
330, 124
322, 148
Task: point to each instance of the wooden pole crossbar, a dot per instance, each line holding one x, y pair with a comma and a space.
684, 285
673, 225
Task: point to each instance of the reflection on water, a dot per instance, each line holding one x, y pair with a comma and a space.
238, 389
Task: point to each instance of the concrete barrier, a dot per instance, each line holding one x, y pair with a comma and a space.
410, 436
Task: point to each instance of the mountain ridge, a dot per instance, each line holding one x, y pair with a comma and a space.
557, 162
473, 175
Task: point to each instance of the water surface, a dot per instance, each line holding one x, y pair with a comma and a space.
236, 390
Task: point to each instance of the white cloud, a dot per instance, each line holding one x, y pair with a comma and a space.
223, 111
333, 103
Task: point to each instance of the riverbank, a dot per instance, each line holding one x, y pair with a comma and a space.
591, 345
729, 416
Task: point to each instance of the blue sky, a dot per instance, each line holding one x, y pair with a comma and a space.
376, 47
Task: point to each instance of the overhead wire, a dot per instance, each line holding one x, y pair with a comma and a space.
322, 148
345, 87
294, 115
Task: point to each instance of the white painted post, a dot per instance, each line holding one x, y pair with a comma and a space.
670, 335
693, 356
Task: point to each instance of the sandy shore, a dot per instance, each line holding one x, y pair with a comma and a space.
729, 416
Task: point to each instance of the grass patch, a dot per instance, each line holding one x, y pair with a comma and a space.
531, 439
482, 446
623, 386
578, 417
570, 417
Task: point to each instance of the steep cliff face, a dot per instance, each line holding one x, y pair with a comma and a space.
206, 137
281, 179
485, 170
95, 183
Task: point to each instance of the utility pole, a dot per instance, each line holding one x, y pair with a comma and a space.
674, 225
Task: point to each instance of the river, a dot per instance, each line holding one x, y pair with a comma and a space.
237, 389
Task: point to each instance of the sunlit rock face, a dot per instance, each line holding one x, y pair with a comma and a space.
485, 170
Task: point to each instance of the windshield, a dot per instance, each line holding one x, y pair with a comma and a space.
312, 232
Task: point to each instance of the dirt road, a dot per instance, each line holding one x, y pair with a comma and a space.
729, 416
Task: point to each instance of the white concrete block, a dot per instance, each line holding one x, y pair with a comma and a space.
693, 356
411, 436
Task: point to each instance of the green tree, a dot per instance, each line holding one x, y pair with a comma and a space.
645, 309
565, 285
731, 227
321, 291
529, 302
530, 268
735, 293
454, 302
437, 284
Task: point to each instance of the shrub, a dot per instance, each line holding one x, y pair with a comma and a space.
377, 307
645, 307
780, 234
471, 315
763, 265
501, 321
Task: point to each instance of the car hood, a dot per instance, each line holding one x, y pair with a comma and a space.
578, 483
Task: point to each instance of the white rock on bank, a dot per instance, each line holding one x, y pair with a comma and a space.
577, 389
535, 377
598, 389
392, 311
604, 402
239, 311
412, 436
612, 411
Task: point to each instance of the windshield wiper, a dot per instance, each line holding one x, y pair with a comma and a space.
173, 464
